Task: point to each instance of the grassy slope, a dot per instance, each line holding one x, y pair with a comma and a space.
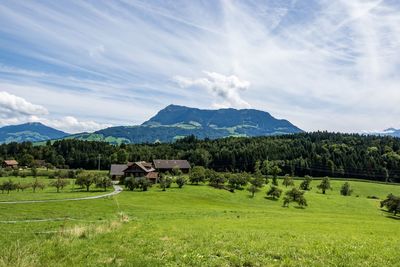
202, 226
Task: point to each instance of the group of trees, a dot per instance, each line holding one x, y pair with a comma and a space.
84, 180
316, 154
9, 185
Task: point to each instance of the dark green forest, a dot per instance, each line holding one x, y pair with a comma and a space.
316, 154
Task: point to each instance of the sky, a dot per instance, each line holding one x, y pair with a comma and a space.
85, 65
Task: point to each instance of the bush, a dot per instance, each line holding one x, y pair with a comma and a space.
180, 181
294, 195
305, 184
346, 189
274, 192
391, 203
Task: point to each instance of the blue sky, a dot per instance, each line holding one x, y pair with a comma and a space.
84, 65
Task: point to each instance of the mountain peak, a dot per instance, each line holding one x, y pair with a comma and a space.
221, 118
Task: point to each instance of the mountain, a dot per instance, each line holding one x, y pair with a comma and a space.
392, 132
174, 122
32, 132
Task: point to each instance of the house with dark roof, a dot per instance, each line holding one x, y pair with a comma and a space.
168, 165
134, 169
11, 163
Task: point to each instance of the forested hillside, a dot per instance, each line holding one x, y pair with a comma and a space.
315, 154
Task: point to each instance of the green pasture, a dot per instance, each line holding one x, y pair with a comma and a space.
204, 226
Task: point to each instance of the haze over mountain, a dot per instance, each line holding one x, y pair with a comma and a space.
32, 132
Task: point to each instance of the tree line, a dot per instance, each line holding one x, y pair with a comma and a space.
316, 154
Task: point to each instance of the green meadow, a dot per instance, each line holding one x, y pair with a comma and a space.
203, 226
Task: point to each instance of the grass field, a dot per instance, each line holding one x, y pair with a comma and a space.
203, 226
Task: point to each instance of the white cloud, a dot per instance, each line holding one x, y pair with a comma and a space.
226, 88
16, 110
12, 105
326, 64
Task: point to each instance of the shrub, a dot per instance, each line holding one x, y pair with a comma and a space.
325, 185
346, 189
197, 175
274, 192
59, 184
288, 181
103, 182
180, 181
391, 203
294, 195
253, 189
305, 184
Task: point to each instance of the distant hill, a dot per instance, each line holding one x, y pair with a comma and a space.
33, 132
174, 122
391, 132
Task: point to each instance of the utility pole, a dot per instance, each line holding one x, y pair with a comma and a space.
99, 158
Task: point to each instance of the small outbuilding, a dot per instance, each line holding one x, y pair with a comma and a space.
11, 163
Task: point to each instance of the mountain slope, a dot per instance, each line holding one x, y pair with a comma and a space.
175, 122
32, 132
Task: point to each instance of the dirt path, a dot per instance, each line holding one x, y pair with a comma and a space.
117, 190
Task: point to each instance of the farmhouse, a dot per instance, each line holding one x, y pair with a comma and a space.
134, 169
10, 164
169, 165
146, 169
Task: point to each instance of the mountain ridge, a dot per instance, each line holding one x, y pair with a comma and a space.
31, 131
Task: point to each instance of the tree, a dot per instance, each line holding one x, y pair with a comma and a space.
163, 183
257, 182
275, 171
306, 183
253, 189
392, 204
237, 180
265, 168
197, 175
180, 181
274, 192
34, 172
176, 171
23, 186
103, 182
294, 195
288, 181
85, 180
215, 178
325, 185
8, 186
346, 189
59, 184
131, 183
37, 184
144, 183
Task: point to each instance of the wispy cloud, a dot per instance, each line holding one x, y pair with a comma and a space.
321, 64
